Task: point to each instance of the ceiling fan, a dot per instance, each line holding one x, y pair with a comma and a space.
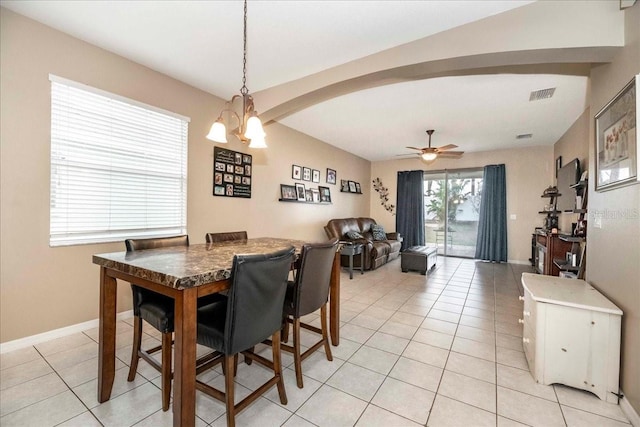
430, 154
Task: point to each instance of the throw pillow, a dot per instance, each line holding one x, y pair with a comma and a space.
378, 232
353, 235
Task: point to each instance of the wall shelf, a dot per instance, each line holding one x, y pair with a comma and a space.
301, 201
572, 239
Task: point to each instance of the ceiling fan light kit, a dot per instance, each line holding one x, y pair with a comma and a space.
249, 126
430, 154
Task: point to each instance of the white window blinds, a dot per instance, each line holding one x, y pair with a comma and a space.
118, 167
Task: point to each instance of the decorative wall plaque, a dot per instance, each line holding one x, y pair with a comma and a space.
231, 173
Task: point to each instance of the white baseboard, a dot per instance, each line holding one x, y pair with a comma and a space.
56, 333
629, 411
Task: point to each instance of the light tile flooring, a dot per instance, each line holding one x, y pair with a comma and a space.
441, 350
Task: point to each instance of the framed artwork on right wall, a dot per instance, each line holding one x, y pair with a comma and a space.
617, 142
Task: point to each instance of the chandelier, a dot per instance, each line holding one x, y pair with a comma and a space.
249, 126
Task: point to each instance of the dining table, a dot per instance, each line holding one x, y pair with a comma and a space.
183, 273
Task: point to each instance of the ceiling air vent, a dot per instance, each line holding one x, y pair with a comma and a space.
537, 95
524, 136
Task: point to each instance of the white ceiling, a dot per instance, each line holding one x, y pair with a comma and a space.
200, 43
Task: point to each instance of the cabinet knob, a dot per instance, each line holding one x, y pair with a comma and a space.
525, 340
520, 321
521, 298
526, 313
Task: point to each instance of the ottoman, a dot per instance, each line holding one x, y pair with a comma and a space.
419, 258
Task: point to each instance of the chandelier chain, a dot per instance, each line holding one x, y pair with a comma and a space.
243, 89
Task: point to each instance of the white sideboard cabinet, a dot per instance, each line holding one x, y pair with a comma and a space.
571, 335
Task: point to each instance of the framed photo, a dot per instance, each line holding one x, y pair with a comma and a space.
300, 192
288, 192
308, 195
325, 194
331, 176
558, 164
315, 176
344, 185
358, 188
617, 142
306, 174
296, 172
352, 187
315, 194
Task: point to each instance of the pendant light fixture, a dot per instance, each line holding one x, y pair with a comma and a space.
249, 126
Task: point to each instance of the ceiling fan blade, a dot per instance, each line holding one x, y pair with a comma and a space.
455, 153
451, 155
406, 155
415, 148
447, 147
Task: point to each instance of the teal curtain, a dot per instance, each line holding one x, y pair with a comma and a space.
491, 243
410, 208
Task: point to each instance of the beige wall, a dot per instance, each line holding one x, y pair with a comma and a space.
613, 251
45, 288
529, 171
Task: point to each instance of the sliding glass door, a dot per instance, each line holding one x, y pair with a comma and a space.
452, 207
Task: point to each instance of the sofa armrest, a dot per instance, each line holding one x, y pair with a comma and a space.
394, 236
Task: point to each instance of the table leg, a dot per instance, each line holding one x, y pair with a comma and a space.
334, 301
106, 335
184, 373
362, 261
350, 266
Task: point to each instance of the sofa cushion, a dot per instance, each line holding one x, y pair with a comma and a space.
378, 232
353, 235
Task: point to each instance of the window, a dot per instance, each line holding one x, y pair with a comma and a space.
118, 167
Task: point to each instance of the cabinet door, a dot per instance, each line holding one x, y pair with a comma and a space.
567, 346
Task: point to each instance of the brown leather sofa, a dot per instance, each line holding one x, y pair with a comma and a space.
376, 252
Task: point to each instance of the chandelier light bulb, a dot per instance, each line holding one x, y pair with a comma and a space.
254, 128
258, 142
218, 132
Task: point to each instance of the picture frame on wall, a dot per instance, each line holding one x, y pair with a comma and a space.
617, 143
306, 174
558, 164
288, 192
300, 192
315, 194
309, 195
358, 188
296, 172
331, 176
344, 185
352, 187
325, 194
315, 175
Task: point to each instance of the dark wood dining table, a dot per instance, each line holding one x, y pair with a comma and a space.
184, 273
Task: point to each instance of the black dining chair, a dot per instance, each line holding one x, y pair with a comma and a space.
251, 313
158, 311
226, 236
306, 294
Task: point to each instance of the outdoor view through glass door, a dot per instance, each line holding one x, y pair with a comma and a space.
452, 209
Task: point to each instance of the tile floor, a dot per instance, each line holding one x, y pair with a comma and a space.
441, 350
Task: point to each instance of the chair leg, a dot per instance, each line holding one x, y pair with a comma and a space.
247, 360
277, 366
229, 383
297, 357
284, 333
166, 370
137, 339
325, 337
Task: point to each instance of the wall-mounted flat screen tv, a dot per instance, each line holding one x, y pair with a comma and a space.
568, 175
